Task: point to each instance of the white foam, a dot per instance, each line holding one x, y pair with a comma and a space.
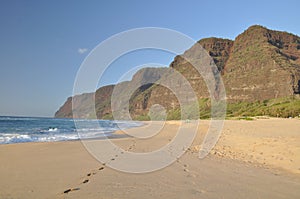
58, 130
53, 130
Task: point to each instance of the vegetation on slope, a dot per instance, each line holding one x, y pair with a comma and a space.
281, 107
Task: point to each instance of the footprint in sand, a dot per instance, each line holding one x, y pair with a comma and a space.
69, 190
131, 146
85, 181
101, 168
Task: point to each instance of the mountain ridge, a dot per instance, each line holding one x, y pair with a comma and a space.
258, 65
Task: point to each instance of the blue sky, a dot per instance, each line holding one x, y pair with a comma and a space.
43, 43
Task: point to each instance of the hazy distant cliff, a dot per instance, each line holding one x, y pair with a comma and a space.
259, 65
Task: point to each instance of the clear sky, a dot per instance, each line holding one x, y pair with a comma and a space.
43, 43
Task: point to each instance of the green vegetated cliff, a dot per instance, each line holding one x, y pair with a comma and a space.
260, 70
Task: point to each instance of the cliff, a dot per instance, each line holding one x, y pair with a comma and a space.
260, 65
263, 64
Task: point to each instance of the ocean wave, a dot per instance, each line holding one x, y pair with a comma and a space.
20, 138
53, 129
14, 138
7, 118
19, 129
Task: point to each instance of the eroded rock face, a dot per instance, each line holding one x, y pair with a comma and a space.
259, 64
103, 101
82, 104
263, 64
65, 111
218, 49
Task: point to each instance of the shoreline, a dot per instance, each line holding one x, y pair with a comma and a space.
48, 169
223, 148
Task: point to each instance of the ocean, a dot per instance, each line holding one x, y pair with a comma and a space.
36, 129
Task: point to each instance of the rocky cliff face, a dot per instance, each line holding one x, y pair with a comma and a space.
82, 104
263, 64
259, 64
103, 101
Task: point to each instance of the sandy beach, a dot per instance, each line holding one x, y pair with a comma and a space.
252, 159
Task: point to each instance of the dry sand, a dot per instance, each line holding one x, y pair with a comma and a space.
253, 159
271, 142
